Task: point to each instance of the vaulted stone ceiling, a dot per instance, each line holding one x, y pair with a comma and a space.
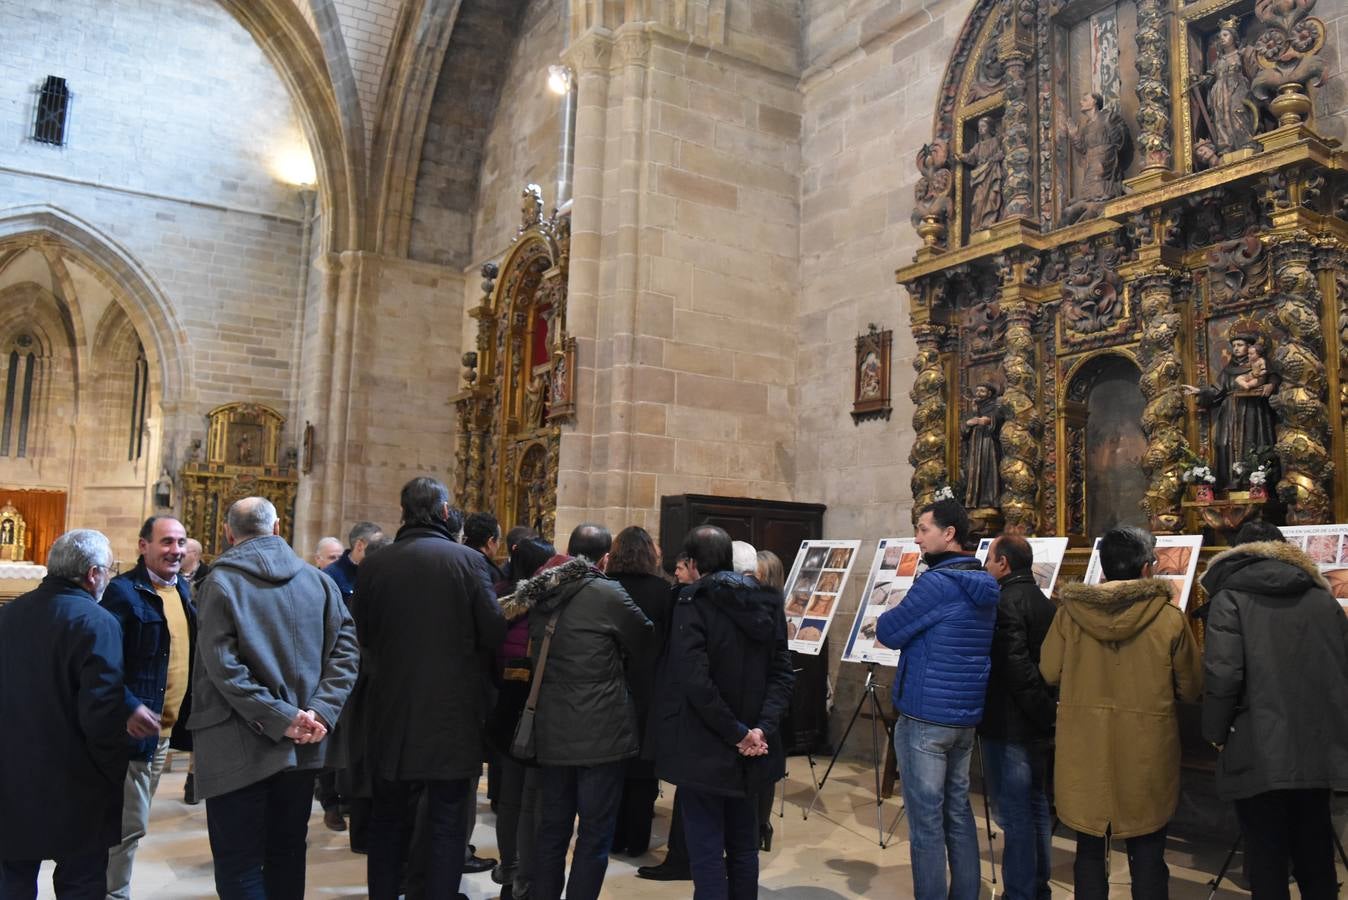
461, 114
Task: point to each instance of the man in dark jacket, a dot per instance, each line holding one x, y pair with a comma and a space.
944, 629
276, 659
586, 724
423, 616
1276, 705
343, 574
1017, 725
725, 684
343, 571
63, 742
153, 603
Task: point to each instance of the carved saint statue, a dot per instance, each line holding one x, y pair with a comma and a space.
163, 491
985, 177
7, 532
982, 449
1231, 113
1242, 418
1101, 137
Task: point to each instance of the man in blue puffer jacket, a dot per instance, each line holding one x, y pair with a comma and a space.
944, 629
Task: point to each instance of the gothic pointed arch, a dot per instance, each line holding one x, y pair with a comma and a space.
146, 304
519, 383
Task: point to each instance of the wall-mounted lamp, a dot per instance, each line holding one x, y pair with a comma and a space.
559, 79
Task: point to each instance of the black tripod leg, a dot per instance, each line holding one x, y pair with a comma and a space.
878, 761
987, 808
836, 753
1226, 864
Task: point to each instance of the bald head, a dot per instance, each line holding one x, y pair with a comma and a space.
327, 551
191, 558
249, 518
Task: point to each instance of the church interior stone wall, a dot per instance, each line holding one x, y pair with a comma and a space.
743, 186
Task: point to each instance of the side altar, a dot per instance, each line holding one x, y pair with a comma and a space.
1134, 274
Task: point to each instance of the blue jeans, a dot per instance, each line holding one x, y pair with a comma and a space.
1015, 775
593, 793
722, 837
934, 772
259, 835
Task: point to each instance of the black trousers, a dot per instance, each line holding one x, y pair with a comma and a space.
1146, 865
75, 878
635, 812
1289, 827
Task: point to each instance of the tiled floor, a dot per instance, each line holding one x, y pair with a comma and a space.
831, 855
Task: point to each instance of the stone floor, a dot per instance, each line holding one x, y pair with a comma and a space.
833, 854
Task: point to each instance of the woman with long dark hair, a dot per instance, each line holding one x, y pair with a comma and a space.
634, 562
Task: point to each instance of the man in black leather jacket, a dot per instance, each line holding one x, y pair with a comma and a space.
1018, 716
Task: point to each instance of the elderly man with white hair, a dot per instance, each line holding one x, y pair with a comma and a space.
276, 660
327, 551
64, 740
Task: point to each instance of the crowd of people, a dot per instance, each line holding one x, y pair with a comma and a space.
382, 676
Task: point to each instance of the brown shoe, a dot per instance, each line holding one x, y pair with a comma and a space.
332, 817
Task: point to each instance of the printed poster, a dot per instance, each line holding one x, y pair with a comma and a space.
813, 590
1327, 546
1176, 562
1048, 556
897, 563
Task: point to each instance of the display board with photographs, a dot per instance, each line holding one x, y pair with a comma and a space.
897, 563
1327, 546
1176, 562
1048, 556
813, 590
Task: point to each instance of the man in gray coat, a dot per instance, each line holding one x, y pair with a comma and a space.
1276, 669
276, 659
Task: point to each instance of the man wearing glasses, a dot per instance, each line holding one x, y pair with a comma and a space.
64, 735
1123, 654
159, 623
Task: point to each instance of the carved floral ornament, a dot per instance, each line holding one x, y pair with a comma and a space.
1070, 208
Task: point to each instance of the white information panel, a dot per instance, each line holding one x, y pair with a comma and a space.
1048, 556
897, 563
813, 589
1176, 562
1327, 546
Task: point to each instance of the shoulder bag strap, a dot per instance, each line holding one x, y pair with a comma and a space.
532, 703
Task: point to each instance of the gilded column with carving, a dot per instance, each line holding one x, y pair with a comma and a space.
1163, 416
929, 415
1023, 428
1016, 126
1153, 84
1303, 418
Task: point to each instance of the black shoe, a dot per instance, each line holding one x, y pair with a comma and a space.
665, 872
765, 837
190, 791
332, 817
474, 864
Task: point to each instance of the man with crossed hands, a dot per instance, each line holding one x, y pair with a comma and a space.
269, 684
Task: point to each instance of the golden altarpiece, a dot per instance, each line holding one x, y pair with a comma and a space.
519, 384
1134, 263
243, 458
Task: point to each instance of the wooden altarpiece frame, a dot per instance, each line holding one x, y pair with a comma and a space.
1152, 276
243, 459
519, 384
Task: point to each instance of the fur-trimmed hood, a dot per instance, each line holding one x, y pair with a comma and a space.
545, 590
1263, 567
1115, 610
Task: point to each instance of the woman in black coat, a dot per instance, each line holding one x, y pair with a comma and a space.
634, 562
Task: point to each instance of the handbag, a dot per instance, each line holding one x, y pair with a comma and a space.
523, 747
